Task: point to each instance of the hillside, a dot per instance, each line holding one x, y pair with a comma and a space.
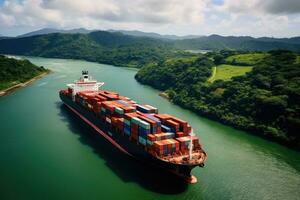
120, 49
45, 31
217, 42
13, 72
100, 46
264, 101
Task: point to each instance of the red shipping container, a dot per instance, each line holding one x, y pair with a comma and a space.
173, 124
151, 137
158, 129
163, 117
128, 116
180, 134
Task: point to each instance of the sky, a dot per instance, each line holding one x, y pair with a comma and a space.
272, 18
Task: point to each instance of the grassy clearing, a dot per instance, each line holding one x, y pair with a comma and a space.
226, 72
213, 74
246, 59
187, 59
298, 60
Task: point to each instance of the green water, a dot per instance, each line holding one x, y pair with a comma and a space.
47, 153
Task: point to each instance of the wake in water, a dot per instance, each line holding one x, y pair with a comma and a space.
41, 84
60, 77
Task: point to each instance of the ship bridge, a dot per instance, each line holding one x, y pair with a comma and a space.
85, 83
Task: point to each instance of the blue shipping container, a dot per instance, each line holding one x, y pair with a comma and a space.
127, 131
165, 128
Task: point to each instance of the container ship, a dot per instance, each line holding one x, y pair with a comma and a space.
137, 130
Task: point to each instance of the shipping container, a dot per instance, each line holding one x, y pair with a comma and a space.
142, 140
165, 128
185, 142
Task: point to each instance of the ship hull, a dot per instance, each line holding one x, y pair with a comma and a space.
124, 144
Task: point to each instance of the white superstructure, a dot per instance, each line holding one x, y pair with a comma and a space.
85, 83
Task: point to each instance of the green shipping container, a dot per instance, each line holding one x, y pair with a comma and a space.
127, 122
144, 124
135, 120
119, 110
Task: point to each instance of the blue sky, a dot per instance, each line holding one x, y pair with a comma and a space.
274, 18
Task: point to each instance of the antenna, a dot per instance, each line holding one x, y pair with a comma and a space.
191, 145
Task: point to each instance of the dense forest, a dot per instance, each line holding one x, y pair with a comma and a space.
264, 101
244, 43
104, 47
13, 71
120, 49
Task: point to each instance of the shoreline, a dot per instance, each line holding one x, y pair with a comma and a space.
164, 95
249, 131
22, 85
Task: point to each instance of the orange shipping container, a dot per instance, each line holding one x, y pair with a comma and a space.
173, 124
163, 117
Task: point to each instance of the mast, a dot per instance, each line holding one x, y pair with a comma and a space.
191, 145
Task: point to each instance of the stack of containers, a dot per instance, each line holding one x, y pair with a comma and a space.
128, 109
134, 128
163, 136
127, 127
144, 126
109, 95
166, 147
152, 109
163, 117
154, 125
185, 142
127, 123
184, 127
174, 126
117, 122
150, 139
165, 128
156, 120
119, 112
97, 107
120, 124
144, 130
146, 109
143, 109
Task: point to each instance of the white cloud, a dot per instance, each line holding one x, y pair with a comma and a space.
232, 17
69, 12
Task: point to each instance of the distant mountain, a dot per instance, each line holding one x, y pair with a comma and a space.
3, 37
85, 31
126, 50
99, 46
217, 42
51, 30
155, 35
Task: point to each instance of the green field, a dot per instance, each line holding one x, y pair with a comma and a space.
246, 59
226, 72
298, 59
187, 59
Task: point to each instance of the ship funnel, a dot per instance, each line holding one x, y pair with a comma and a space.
85, 72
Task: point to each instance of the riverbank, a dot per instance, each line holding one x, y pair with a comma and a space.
164, 95
251, 101
21, 85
